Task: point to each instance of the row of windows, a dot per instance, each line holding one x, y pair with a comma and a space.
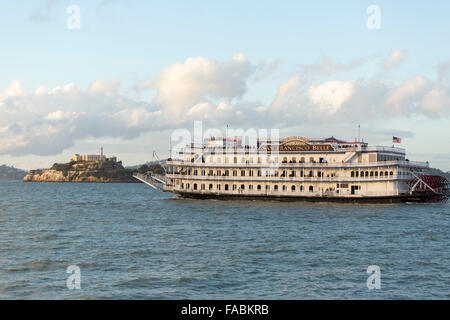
234, 187
258, 173
371, 173
284, 173
267, 160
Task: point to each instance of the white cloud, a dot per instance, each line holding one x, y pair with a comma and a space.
404, 99
200, 111
285, 91
15, 89
261, 109
41, 90
223, 106
60, 115
436, 101
100, 86
328, 67
182, 85
394, 58
330, 96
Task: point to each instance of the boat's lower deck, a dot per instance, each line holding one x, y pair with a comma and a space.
360, 199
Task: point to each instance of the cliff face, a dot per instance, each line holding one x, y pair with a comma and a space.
83, 171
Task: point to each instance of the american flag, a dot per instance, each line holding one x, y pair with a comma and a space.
396, 139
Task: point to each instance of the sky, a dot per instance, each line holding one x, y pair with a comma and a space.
123, 74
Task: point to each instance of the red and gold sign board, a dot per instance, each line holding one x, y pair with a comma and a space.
301, 144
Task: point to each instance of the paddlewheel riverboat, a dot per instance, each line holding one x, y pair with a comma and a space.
297, 168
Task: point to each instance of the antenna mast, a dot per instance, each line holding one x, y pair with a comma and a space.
359, 133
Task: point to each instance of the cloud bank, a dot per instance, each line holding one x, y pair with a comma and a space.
47, 121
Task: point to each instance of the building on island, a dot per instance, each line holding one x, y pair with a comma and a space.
93, 157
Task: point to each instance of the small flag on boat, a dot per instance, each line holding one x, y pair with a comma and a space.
396, 139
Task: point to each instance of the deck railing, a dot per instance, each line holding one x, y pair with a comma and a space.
288, 178
403, 163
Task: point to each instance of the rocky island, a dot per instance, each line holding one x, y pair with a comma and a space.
84, 168
83, 171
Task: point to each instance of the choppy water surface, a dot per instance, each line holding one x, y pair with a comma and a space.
133, 242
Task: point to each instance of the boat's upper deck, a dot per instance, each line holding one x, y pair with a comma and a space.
292, 148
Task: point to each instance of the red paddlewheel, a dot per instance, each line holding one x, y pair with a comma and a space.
439, 184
